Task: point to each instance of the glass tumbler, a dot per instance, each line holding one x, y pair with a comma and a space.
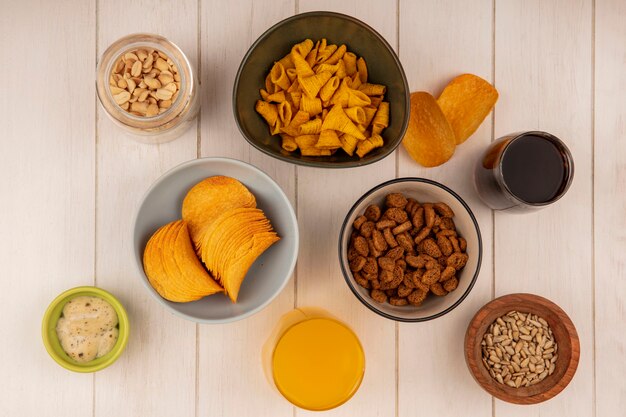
524, 172
165, 126
313, 360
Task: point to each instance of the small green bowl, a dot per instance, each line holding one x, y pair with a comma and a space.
383, 67
51, 341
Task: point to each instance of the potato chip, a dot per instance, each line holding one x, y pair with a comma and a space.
233, 242
466, 102
236, 246
230, 234
172, 267
189, 264
429, 139
237, 270
226, 230
183, 266
174, 282
209, 198
153, 265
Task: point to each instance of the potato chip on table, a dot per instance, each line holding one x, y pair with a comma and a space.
429, 139
466, 101
436, 127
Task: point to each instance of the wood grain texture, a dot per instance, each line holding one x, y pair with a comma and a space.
156, 374
543, 72
431, 58
324, 198
231, 380
564, 333
610, 207
70, 182
47, 188
221, 56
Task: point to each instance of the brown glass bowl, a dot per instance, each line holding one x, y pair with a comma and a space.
565, 336
383, 68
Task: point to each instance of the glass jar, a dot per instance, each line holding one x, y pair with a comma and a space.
313, 360
162, 127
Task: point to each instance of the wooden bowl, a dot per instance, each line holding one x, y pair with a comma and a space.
564, 333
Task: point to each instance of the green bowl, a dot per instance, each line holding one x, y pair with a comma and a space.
51, 341
383, 68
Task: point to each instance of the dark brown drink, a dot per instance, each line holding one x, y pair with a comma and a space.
524, 172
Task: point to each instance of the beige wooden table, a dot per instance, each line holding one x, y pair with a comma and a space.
70, 182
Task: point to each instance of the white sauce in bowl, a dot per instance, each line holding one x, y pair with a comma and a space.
87, 328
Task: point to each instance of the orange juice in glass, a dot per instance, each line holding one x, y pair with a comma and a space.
314, 360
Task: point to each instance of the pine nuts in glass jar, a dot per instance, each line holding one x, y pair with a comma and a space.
147, 86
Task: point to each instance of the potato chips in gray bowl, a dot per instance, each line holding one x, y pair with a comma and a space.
265, 278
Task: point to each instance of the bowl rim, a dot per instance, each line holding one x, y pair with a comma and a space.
109, 358
199, 161
323, 164
471, 335
348, 277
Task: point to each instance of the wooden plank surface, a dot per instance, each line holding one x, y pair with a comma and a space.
543, 71
156, 374
463, 43
609, 187
324, 198
70, 182
47, 189
231, 380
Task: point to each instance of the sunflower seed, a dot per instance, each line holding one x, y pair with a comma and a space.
518, 349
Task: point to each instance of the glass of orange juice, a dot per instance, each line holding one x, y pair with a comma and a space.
314, 360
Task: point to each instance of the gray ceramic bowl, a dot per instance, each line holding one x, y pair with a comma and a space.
267, 276
422, 190
383, 68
